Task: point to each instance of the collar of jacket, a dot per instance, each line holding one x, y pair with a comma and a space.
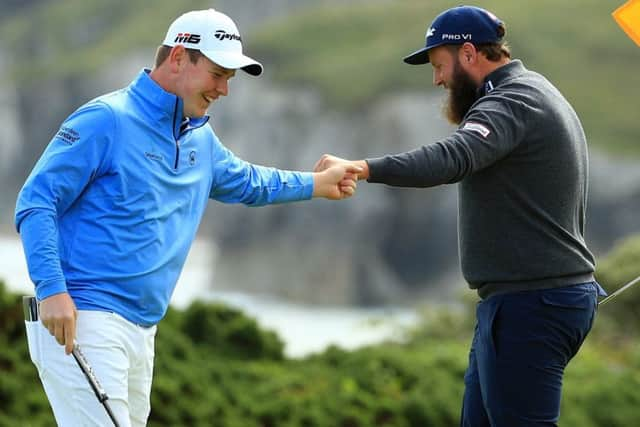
163, 105
499, 75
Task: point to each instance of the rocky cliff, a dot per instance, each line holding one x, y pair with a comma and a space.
383, 246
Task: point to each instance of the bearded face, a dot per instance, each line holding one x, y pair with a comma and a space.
462, 94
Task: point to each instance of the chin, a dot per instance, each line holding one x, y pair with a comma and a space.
196, 114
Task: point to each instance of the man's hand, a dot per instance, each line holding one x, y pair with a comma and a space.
336, 182
327, 161
58, 314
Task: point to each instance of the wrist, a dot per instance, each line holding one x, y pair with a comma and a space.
365, 169
317, 183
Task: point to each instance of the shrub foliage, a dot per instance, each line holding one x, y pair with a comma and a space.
217, 367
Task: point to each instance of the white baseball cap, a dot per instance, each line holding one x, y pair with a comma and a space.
215, 35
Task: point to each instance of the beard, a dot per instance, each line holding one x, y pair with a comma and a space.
462, 94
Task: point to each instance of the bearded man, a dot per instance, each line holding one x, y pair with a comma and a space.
519, 154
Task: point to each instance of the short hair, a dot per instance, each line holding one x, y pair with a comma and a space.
492, 51
163, 53
495, 51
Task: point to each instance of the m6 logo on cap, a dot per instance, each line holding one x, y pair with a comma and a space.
187, 38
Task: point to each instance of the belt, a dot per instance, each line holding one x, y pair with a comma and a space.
494, 288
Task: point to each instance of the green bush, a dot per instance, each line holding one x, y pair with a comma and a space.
620, 318
217, 367
228, 332
21, 394
600, 389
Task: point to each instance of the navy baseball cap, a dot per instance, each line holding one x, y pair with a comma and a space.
458, 25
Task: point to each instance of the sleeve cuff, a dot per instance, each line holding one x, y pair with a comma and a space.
307, 180
50, 287
375, 165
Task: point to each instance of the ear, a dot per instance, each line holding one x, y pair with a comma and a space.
177, 57
467, 54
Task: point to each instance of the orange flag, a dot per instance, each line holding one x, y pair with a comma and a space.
628, 17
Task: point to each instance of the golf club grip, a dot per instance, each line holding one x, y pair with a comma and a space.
88, 372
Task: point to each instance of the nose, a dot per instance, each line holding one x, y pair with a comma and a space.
437, 78
223, 87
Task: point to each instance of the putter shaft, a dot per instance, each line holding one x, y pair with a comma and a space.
93, 381
619, 291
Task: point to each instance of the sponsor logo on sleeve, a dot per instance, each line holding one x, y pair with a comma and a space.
68, 135
478, 128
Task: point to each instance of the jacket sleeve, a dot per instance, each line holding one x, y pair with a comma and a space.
238, 181
491, 130
74, 157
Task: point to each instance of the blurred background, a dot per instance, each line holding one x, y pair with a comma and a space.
320, 273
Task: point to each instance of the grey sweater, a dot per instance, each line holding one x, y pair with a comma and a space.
520, 156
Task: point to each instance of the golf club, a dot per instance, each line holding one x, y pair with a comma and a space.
31, 314
619, 291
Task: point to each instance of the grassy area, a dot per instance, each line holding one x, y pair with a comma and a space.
353, 54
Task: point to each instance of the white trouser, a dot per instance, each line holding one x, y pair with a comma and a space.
121, 355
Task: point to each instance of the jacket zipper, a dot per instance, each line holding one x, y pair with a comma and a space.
173, 131
175, 166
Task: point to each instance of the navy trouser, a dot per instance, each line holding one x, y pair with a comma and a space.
522, 343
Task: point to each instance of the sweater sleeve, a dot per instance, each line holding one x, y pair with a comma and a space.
75, 155
491, 130
238, 181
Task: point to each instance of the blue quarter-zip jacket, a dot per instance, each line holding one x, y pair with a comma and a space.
111, 208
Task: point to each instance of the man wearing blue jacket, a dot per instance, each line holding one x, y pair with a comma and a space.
110, 210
